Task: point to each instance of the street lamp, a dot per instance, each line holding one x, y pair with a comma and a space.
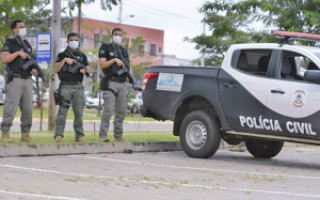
121, 20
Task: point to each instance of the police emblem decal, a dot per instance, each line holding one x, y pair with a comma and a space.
299, 98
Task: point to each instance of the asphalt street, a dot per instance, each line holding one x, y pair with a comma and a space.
294, 174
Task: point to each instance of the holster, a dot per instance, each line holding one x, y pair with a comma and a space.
56, 95
9, 77
104, 83
60, 100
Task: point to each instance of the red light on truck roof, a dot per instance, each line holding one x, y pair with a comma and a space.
296, 35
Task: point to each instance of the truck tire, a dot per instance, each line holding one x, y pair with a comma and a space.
264, 148
200, 134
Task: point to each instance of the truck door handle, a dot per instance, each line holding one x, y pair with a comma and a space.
277, 91
230, 85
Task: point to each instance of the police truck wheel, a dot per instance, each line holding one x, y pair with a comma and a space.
264, 148
200, 134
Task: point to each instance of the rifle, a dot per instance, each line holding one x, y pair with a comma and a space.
32, 61
125, 69
77, 66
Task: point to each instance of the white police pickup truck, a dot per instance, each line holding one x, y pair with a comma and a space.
263, 94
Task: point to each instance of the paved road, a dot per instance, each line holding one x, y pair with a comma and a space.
90, 125
294, 174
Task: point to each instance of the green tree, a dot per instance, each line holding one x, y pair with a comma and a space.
33, 13
104, 4
232, 22
225, 23
289, 15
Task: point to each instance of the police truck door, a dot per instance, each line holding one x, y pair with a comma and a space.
243, 88
296, 103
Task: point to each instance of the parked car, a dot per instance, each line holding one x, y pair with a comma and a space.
92, 102
2, 89
45, 96
135, 103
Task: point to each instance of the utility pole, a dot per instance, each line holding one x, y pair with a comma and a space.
120, 12
55, 31
79, 20
204, 34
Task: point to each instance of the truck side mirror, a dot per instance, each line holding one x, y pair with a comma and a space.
312, 76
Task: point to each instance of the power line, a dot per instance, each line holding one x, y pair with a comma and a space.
165, 13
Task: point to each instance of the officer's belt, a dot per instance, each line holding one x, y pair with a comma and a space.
71, 82
117, 79
25, 76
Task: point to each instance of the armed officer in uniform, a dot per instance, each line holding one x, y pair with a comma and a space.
19, 84
113, 59
71, 88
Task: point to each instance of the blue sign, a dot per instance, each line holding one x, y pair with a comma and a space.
44, 47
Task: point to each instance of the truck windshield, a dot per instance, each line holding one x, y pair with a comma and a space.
317, 54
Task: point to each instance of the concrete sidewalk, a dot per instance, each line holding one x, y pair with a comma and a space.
85, 148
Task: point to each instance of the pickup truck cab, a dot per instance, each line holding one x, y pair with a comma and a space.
263, 94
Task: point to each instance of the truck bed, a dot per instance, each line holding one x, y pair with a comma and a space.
196, 81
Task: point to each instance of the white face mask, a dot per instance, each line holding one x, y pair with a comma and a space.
116, 39
74, 45
22, 32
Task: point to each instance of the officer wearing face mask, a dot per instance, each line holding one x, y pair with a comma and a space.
112, 59
71, 87
19, 84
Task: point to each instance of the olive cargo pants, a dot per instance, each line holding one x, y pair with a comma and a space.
118, 101
18, 94
75, 94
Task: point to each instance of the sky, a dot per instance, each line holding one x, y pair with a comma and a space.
178, 19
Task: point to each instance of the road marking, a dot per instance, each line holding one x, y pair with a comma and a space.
305, 149
197, 168
37, 195
157, 182
79, 174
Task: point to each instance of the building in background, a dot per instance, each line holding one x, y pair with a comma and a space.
173, 61
92, 32
151, 48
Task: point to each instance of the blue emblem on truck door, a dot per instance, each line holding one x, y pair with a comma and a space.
299, 98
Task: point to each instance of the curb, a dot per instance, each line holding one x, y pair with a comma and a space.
87, 148
37, 120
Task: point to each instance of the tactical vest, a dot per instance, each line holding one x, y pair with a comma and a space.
112, 53
65, 75
15, 66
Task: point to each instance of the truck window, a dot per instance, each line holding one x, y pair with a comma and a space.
254, 62
294, 65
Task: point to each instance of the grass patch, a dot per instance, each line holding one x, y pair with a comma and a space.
71, 180
88, 114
